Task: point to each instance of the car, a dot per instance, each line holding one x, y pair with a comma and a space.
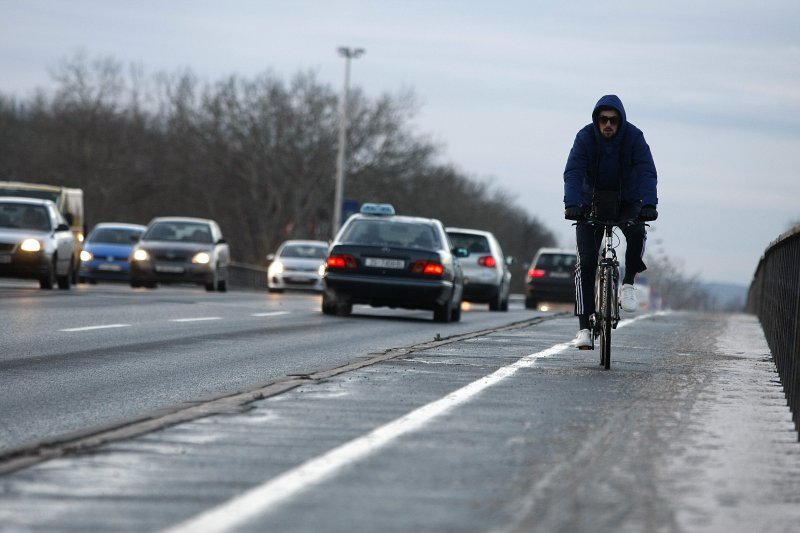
551, 277
382, 259
297, 264
486, 275
181, 250
107, 250
36, 242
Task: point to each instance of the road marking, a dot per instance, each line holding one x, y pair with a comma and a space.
272, 313
198, 319
88, 328
271, 493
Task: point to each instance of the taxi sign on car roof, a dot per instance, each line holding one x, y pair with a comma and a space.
385, 210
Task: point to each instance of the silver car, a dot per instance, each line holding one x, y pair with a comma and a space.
486, 275
36, 242
297, 264
181, 250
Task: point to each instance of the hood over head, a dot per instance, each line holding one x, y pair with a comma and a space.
610, 101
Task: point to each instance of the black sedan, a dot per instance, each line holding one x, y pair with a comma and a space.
181, 250
384, 260
36, 242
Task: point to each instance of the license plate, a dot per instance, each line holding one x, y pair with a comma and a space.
5, 258
379, 262
109, 267
171, 269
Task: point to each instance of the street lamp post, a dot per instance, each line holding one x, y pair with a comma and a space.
348, 54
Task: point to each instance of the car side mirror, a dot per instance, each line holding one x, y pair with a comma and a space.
511, 260
134, 238
62, 227
222, 241
460, 251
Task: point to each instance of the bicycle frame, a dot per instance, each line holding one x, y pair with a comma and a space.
606, 315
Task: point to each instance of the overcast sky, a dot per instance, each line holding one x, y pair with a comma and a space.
503, 87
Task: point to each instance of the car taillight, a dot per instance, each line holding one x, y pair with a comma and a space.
536, 273
342, 261
428, 268
487, 261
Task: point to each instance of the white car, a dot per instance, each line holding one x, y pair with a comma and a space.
486, 275
298, 264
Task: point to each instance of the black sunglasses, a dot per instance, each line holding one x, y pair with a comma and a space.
602, 119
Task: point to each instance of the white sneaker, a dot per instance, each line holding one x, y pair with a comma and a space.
583, 340
628, 301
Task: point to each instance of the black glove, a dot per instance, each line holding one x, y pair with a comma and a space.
573, 212
648, 212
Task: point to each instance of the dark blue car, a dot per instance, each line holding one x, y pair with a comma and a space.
106, 252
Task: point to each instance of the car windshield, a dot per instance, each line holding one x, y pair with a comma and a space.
24, 216
305, 251
114, 235
176, 231
391, 233
475, 244
551, 261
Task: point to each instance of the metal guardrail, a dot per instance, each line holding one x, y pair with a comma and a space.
774, 297
244, 276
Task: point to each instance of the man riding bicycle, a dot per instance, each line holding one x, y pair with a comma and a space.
610, 162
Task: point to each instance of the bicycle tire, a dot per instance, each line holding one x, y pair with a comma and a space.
606, 314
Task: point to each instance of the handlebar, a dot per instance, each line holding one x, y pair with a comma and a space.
594, 221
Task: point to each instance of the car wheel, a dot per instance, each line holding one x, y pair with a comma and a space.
444, 312
496, 303
135, 283
275, 291
65, 281
151, 285
504, 305
222, 284
455, 315
531, 303
48, 279
333, 304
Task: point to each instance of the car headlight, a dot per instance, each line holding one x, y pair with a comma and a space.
277, 267
322, 268
201, 258
30, 245
140, 255
86, 256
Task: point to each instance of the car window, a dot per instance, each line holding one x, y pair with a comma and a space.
475, 244
391, 233
304, 251
24, 216
549, 261
114, 235
179, 232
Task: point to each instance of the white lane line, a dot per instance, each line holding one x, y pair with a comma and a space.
271, 493
272, 313
198, 319
89, 328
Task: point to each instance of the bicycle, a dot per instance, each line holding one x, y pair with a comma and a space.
606, 288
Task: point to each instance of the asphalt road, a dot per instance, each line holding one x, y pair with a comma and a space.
512, 430
93, 355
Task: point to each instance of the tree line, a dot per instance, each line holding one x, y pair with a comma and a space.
256, 154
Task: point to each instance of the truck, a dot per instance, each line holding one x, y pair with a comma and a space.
69, 201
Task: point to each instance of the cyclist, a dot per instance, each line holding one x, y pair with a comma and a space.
609, 160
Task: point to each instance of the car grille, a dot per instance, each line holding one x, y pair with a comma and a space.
6, 246
172, 257
303, 269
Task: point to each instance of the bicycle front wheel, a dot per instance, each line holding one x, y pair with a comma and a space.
606, 316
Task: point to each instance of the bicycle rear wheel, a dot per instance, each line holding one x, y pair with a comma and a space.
606, 315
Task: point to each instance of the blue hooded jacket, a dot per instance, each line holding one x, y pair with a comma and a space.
622, 163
